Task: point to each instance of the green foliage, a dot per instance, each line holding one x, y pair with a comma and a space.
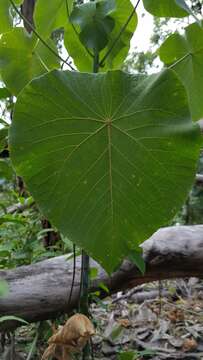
50, 16
22, 57
108, 157
185, 54
139, 62
92, 141
83, 59
4, 93
95, 23
167, 8
135, 355
136, 258
3, 137
6, 20
5, 170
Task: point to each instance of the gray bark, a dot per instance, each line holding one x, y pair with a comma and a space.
41, 291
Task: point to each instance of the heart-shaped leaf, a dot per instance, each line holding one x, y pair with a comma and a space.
23, 57
108, 157
186, 53
167, 8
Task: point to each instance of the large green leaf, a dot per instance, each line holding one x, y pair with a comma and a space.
167, 8
95, 23
51, 15
84, 61
108, 157
22, 58
186, 53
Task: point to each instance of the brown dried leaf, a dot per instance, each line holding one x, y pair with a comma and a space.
176, 315
70, 338
124, 322
189, 344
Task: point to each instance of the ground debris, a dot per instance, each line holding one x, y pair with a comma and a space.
169, 325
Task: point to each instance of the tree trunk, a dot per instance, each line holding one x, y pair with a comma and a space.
41, 291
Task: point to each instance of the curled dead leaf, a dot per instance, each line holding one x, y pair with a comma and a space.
176, 315
70, 338
189, 344
124, 322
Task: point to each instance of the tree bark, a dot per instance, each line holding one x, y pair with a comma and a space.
27, 9
41, 291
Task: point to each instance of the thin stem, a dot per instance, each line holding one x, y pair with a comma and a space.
96, 62
38, 36
119, 34
73, 278
85, 284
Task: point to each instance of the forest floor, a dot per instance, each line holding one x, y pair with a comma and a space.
155, 321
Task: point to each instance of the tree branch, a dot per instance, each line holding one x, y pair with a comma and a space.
41, 291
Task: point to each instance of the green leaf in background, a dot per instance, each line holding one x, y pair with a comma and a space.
4, 93
6, 21
128, 355
5, 17
167, 8
4, 289
124, 9
135, 355
12, 318
8, 218
3, 137
51, 16
186, 53
136, 258
87, 151
93, 272
83, 59
3, 122
95, 23
6, 171
22, 58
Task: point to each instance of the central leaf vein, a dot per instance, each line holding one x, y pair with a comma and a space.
110, 169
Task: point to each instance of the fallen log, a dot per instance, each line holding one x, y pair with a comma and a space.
41, 291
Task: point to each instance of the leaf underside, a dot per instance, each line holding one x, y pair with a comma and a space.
109, 158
